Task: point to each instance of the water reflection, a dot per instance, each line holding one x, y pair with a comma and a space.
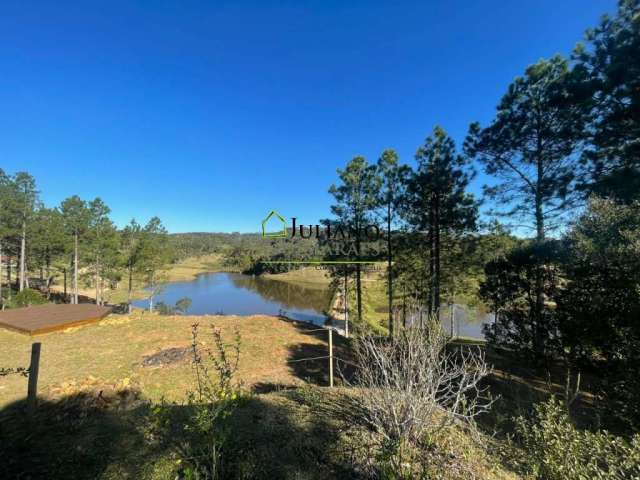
237, 294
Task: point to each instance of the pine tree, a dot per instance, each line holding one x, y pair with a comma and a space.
26, 198
438, 204
76, 220
356, 199
393, 177
532, 146
608, 71
130, 248
154, 255
102, 240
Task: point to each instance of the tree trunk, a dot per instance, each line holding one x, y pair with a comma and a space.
359, 293
431, 235
23, 248
452, 318
152, 294
358, 275
389, 272
9, 292
538, 333
49, 279
75, 268
64, 271
130, 287
97, 275
346, 303
436, 246
1, 263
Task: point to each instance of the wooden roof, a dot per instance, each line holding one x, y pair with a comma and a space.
40, 319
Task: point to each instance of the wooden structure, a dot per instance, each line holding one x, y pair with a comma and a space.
47, 318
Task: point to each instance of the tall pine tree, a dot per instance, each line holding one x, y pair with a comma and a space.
438, 204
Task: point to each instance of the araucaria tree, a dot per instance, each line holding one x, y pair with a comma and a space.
356, 199
532, 146
438, 206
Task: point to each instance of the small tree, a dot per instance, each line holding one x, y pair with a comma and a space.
131, 251
155, 254
183, 305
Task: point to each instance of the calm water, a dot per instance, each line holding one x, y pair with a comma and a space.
237, 294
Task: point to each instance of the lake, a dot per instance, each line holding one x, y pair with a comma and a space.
224, 293
238, 294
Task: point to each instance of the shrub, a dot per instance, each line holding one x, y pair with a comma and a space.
199, 439
554, 449
410, 392
27, 297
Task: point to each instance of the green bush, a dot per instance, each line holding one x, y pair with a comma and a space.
27, 297
554, 449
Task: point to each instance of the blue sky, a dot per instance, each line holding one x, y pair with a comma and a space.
209, 114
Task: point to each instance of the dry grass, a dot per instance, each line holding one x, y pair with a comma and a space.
184, 270
307, 276
112, 351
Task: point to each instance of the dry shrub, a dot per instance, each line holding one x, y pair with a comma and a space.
412, 393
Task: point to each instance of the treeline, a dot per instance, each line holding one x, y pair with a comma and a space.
75, 240
562, 158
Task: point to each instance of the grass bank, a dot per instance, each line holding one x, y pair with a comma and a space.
113, 351
184, 270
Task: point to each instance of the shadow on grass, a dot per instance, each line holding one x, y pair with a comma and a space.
276, 437
519, 386
80, 436
316, 371
89, 436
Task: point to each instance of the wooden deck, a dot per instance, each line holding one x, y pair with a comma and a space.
41, 319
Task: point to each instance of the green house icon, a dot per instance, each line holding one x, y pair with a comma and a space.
280, 221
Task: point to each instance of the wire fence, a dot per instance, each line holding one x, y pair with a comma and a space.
330, 357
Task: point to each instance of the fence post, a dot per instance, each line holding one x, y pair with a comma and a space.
346, 304
331, 357
32, 390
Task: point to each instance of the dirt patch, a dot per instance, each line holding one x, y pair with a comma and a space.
166, 357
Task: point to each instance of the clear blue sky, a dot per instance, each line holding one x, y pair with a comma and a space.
208, 114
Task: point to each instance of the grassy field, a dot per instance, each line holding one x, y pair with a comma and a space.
182, 271
95, 392
113, 350
307, 276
